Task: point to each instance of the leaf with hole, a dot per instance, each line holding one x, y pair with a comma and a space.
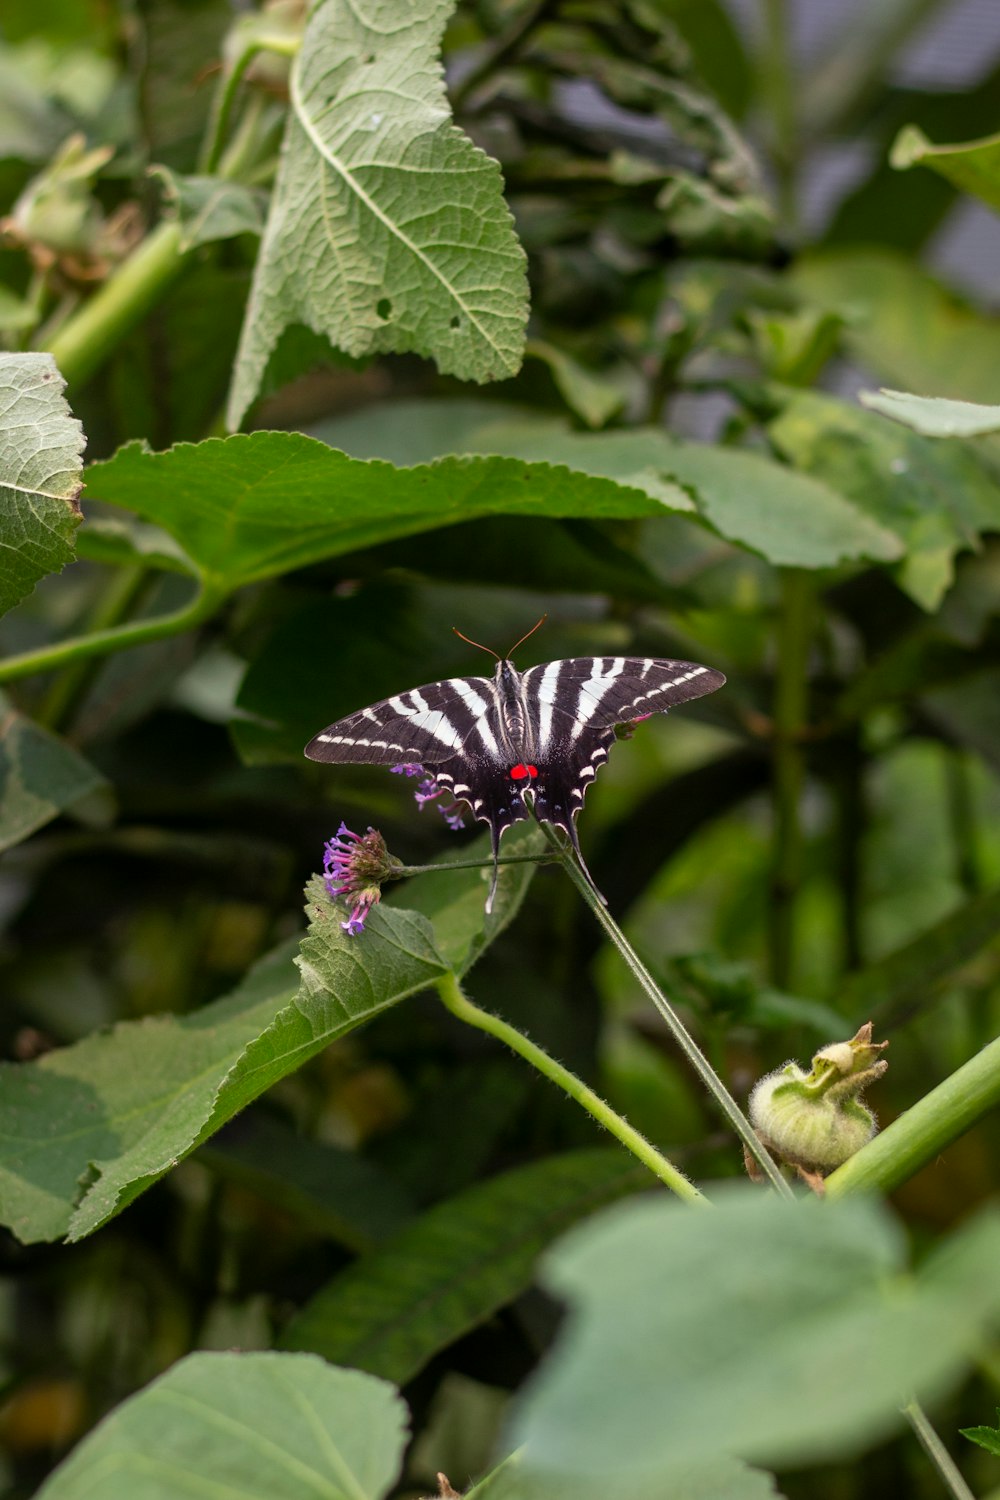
388, 230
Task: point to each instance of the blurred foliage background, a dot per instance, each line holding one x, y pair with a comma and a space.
717, 244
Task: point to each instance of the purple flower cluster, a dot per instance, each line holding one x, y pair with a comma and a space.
429, 791
355, 865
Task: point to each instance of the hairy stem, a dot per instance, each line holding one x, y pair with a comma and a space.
475, 864
937, 1452
777, 75
461, 1006
117, 638
788, 767
699, 1062
930, 1125
91, 335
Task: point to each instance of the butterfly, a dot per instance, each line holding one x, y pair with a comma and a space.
518, 743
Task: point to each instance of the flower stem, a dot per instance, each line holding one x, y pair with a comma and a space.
925, 1129
699, 1062
475, 864
937, 1452
90, 336
461, 1006
117, 638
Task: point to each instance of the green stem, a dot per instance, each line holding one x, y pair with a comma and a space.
118, 638
917, 1136
461, 1006
89, 337
115, 603
937, 1452
790, 699
225, 98
777, 74
713, 1083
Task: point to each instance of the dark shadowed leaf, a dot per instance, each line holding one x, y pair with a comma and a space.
388, 228
41, 449
212, 208
40, 776
255, 1426
452, 1268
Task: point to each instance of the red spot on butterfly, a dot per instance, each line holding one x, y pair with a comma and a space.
520, 772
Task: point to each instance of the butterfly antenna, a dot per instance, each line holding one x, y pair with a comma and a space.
531, 632
479, 647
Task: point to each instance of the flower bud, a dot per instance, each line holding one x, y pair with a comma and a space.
814, 1121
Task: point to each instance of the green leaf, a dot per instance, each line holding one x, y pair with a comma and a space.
589, 396
903, 325
453, 900
212, 208
40, 776
779, 1332
388, 230
986, 1437
973, 166
725, 1479
789, 518
936, 498
253, 505
934, 416
452, 1268
245, 1427
40, 461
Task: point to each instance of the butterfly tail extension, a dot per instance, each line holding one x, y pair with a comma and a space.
495, 838
574, 840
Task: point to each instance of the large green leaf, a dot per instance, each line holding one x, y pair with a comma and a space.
936, 497
780, 1332
41, 449
40, 776
973, 166
934, 416
440, 1276
242, 1427
388, 229
252, 505
790, 518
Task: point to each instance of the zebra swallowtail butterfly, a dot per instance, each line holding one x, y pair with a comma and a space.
518, 742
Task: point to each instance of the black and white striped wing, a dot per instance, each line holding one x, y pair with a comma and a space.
429, 726
575, 705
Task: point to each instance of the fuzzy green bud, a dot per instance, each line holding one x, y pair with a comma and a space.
814, 1121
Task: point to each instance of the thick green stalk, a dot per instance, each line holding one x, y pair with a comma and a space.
699, 1062
91, 335
790, 698
118, 638
462, 1007
930, 1125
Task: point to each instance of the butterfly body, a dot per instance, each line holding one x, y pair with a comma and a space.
519, 742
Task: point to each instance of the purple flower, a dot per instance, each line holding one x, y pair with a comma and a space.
355, 865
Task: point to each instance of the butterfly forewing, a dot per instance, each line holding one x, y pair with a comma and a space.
427, 726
